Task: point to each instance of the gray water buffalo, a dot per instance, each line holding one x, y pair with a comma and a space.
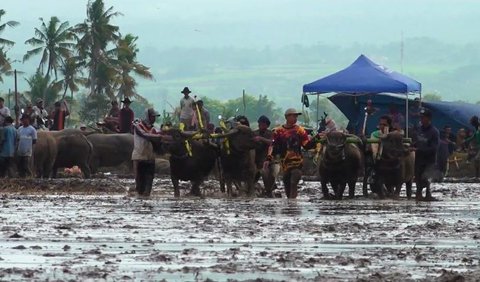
110, 150
44, 154
340, 165
73, 149
394, 166
190, 160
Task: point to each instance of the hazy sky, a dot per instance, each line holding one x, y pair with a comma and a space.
163, 24
258, 23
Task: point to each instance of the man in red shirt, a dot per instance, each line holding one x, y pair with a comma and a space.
288, 141
58, 116
126, 117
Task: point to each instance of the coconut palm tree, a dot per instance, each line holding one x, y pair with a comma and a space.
3, 41
54, 41
5, 66
93, 38
40, 87
126, 60
72, 79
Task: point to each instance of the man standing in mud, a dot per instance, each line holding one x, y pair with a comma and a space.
143, 156
7, 147
263, 137
27, 137
425, 147
288, 141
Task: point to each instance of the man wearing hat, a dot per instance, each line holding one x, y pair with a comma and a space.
143, 156
40, 114
186, 108
288, 141
425, 147
27, 137
126, 117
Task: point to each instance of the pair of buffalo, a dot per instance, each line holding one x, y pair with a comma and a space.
343, 162
193, 159
71, 147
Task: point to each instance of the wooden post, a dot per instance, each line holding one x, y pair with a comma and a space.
17, 107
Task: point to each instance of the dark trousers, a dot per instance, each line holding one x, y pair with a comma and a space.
291, 177
23, 166
423, 171
6, 166
144, 177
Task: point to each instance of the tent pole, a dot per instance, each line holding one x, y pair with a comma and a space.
406, 115
318, 106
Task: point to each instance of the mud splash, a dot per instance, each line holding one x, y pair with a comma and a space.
103, 234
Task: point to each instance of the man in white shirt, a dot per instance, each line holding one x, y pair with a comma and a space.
143, 156
186, 108
27, 137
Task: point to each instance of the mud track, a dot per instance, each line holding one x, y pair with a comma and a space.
92, 230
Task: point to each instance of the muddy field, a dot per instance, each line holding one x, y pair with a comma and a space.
92, 230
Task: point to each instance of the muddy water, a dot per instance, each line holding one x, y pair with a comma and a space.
111, 236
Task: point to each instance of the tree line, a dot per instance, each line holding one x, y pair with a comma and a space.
93, 54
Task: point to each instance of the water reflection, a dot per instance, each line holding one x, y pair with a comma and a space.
291, 208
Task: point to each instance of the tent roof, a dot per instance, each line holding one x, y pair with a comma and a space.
364, 76
455, 114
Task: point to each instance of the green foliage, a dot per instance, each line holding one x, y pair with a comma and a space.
3, 41
254, 107
139, 106
93, 107
432, 97
54, 41
5, 67
40, 87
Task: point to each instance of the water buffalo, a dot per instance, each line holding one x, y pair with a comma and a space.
393, 167
44, 154
238, 159
190, 160
73, 149
110, 150
340, 165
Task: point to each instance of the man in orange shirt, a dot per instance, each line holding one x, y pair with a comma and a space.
288, 141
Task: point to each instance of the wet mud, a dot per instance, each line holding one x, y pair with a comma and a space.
73, 229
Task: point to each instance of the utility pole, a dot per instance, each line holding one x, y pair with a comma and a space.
17, 108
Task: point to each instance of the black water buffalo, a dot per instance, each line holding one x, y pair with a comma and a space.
393, 167
340, 165
237, 158
190, 160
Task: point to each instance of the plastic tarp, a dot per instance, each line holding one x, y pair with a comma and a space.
364, 76
454, 114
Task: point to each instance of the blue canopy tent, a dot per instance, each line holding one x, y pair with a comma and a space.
454, 114
364, 77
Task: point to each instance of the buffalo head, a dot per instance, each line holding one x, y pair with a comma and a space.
335, 144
